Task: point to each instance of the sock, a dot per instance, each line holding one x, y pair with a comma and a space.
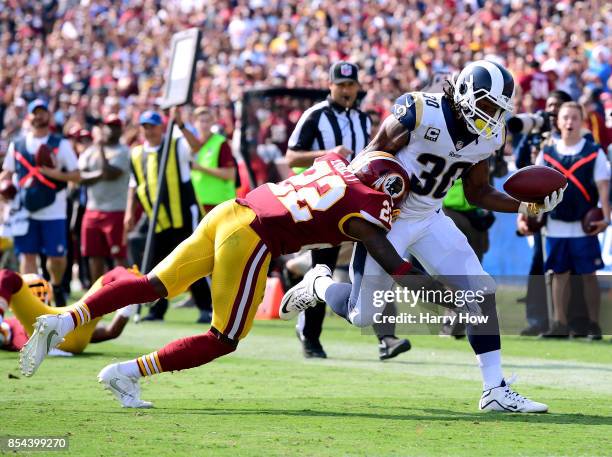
67, 323
190, 352
130, 368
490, 368
148, 364
320, 286
113, 296
337, 297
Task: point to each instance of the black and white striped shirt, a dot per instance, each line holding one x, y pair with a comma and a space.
327, 125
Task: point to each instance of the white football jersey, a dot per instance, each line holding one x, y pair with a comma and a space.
437, 153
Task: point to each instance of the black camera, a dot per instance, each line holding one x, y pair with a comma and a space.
525, 123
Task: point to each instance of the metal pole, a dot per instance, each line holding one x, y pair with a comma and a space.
161, 177
548, 280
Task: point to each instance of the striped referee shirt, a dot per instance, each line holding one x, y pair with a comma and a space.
327, 125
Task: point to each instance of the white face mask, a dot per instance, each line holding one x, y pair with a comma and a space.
480, 119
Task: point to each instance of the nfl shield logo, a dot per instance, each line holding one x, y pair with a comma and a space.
346, 70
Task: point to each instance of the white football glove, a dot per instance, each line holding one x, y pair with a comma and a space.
550, 201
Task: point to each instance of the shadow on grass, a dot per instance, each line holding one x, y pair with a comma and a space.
547, 366
428, 414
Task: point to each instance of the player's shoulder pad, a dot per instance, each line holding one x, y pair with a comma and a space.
408, 109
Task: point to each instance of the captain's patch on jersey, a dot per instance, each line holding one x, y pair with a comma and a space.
432, 134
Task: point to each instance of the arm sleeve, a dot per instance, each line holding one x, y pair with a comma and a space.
121, 160
132, 183
377, 211
9, 160
183, 153
304, 133
66, 156
601, 171
404, 111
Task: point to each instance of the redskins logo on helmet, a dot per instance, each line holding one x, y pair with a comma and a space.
39, 287
382, 172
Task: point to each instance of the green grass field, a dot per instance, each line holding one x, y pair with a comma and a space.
266, 400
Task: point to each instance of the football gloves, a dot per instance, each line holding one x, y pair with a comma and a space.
550, 202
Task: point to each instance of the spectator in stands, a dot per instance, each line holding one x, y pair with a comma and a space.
42, 191
570, 249
213, 168
105, 171
179, 212
110, 57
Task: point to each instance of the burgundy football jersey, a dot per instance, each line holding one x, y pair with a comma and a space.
311, 209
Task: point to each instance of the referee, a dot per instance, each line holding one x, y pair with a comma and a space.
334, 125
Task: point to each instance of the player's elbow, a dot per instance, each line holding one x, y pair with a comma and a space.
473, 194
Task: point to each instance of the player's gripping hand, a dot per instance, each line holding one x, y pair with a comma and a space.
550, 202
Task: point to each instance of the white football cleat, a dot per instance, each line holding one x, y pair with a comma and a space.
506, 400
46, 336
302, 295
125, 388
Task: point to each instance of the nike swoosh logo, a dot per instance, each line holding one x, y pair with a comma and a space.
114, 385
52, 333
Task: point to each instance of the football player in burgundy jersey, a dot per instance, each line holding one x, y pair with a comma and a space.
333, 201
30, 296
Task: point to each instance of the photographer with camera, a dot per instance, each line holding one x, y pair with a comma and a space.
537, 130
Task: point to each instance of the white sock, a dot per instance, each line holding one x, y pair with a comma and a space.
66, 323
490, 368
130, 368
320, 286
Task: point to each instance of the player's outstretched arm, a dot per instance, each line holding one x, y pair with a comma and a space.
391, 137
479, 191
111, 331
375, 241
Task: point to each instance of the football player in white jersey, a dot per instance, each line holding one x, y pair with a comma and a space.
439, 137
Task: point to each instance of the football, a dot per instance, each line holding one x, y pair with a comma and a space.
592, 215
45, 157
7, 189
533, 183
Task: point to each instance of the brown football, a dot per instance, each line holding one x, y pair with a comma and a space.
534, 183
7, 189
592, 215
45, 157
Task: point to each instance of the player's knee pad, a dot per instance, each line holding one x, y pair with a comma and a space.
489, 326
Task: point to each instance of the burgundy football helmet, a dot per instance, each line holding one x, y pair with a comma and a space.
382, 172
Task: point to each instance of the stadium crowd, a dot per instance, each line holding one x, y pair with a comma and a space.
91, 59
